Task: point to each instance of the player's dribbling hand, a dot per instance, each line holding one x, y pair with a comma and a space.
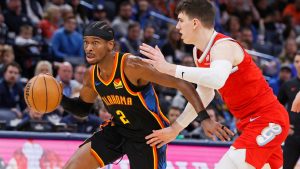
163, 136
212, 128
296, 104
157, 59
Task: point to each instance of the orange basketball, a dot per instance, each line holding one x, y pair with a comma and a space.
42, 93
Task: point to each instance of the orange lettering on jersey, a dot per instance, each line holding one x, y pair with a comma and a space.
117, 100
122, 100
105, 101
129, 101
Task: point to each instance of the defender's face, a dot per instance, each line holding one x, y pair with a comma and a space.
185, 27
96, 48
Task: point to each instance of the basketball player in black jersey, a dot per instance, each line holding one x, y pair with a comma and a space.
123, 83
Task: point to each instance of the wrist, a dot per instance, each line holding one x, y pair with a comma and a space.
177, 127
203, 115
169, 69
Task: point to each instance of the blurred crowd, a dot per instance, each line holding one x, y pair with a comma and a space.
45, 36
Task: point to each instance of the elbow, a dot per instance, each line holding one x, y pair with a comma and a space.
219, 81
219, 84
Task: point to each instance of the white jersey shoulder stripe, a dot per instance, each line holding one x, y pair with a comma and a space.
207, 48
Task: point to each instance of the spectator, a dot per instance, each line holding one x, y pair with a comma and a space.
3, 30
65, 74
67, 44
246, 39
34, 10
11, 91
132, 41
293, 10
173, 113
25, 36
285, 74
100, 14
174, 48
79, 73
289, 51
88, 124
6, 57
35, 122
287, 93
121, 23
179, 100
149, 36
14, 18
234, 27
50, 22
43, 66
79, 13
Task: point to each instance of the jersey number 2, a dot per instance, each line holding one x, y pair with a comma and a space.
122, 117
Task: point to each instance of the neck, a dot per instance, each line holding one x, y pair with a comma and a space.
203, 37
107, 64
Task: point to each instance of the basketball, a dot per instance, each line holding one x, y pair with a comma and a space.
42, 93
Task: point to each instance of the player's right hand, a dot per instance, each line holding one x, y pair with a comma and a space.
163, 136
212, 128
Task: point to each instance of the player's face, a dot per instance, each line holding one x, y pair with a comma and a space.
185, 26
96, 49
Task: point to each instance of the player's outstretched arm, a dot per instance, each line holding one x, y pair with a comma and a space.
142, 72
222, 60
296, 103
81, 106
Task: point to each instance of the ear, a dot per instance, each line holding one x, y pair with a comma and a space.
196, 23
111, 44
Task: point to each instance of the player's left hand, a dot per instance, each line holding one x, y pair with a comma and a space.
163, 136
157, 59
212, 128
296, 104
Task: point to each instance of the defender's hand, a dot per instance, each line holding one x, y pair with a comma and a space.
157, 59
212, 128
163, 136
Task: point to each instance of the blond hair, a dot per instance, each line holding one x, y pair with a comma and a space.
40, 65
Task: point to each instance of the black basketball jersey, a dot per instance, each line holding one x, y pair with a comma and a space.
135, 109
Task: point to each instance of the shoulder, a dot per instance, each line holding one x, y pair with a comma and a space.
134, 65
226, 44
134, 62
228, 47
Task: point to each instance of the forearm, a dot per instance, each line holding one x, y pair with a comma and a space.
76, 106
191, 94
213, 77
189, 114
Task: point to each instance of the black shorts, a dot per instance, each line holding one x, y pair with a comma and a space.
108, 146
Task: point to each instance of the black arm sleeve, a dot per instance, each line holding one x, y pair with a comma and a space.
76, 106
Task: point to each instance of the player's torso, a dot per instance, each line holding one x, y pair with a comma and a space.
133, 108
245, 90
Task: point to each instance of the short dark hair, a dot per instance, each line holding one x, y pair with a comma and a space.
201, 9
13, 64
99, 29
